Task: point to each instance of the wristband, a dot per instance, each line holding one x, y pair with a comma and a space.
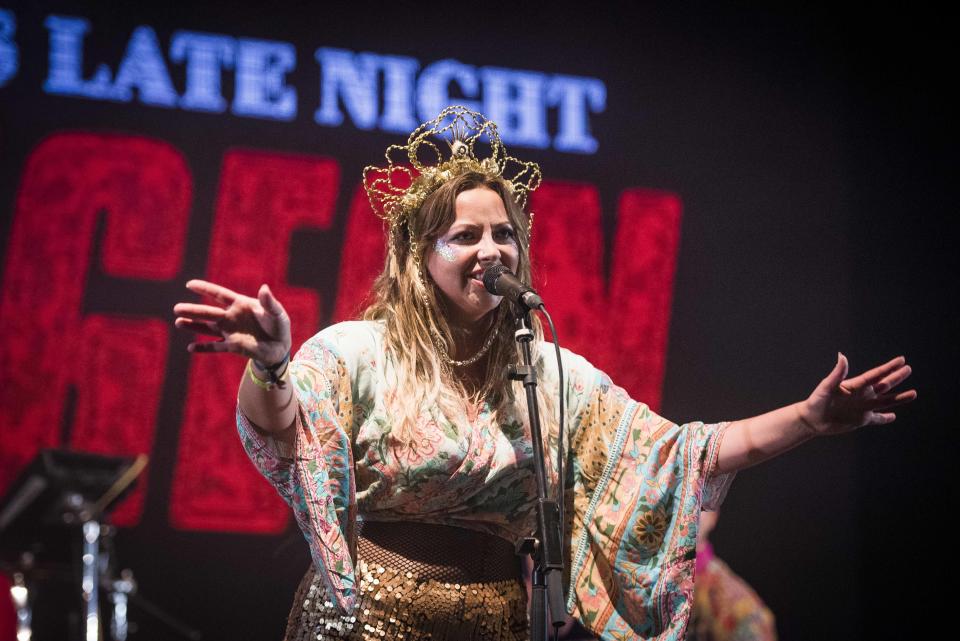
271, 370
274, 381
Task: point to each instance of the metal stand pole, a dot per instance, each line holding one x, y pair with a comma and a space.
546, 547
20, 596
120, 596
90, 581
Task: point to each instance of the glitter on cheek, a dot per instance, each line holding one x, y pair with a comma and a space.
445, 250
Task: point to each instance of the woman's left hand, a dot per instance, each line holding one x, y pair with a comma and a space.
840, 404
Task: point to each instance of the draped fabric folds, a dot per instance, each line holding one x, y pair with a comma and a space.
636, 482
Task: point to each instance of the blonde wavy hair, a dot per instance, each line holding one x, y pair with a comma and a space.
413, 309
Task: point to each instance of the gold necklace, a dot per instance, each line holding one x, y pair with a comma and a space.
445, 355
438, 341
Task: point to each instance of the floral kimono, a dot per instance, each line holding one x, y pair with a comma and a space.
635, 482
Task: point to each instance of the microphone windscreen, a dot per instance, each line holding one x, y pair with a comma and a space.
490, 276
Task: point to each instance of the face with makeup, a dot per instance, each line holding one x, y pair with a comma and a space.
481, 235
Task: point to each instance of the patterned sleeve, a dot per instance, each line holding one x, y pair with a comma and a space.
639, 484
315, 477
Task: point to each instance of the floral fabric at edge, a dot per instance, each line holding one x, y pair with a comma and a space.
726, 608
636, 482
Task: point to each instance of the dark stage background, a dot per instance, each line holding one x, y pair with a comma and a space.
808, 151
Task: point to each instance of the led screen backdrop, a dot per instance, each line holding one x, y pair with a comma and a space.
699, 235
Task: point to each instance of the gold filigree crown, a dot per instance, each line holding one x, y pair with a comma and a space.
397, 191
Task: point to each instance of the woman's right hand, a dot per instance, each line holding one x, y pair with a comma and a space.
257, 328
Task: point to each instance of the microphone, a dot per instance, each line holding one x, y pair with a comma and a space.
499, 280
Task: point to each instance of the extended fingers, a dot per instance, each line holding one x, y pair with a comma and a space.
836, 375
269, 302
217, 292
233, 343
197, 311
206, 347
893, 379
875, 375
207, 328
881, 418
892, 400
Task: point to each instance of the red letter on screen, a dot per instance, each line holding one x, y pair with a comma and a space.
263, 199
629, 342
362, 258
115, 364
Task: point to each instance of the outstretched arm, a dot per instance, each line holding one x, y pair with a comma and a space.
836, 406
257, 328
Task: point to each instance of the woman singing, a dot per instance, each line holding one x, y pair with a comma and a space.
405, 452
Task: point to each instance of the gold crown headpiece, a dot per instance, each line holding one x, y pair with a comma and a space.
397, 191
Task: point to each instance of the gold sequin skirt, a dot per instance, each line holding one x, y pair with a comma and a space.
396, 601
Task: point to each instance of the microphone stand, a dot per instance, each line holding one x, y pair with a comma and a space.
546, 546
